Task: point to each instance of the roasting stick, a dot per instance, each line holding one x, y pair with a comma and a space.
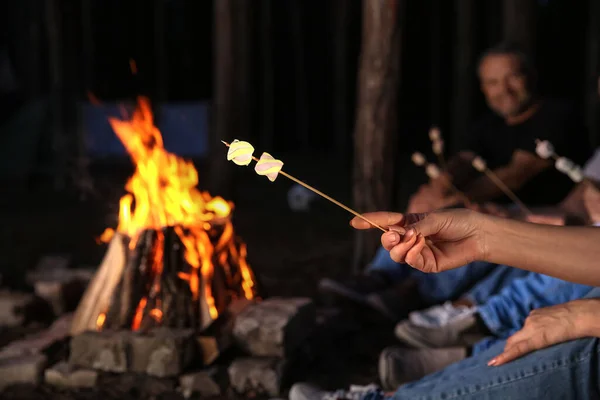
480, 165
437, 145
433, 172
334, 201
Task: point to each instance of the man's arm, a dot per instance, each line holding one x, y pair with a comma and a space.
522, 167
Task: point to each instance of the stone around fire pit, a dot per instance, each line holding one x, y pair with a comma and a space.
202, 383
163, 352
275, 327
67, 376
106, 350
21, 369
13, 307
258, 374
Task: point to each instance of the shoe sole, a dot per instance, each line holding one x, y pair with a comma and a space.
403, 332
385, 371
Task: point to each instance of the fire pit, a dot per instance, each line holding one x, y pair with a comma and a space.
175, 290
178, 262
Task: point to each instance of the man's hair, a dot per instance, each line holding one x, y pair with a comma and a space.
510, 48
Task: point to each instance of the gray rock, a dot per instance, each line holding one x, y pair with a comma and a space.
36, 343
200, 383
66, 376
163, 352
47, 265
261, 375
21, 369
275, 327
13, 306
106, 350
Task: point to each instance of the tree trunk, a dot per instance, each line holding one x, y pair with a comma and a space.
160, 53
266, 130
302, 109
231, 88
376, 121
435, 82
27, 50
81, 176
593, 68
55, 66
520, 23
341, 14
464, 74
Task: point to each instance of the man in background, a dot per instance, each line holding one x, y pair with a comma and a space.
505, 139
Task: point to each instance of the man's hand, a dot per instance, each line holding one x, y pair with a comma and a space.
591, 200
546, 219
491, 209
552, 325
454, 238
430, 198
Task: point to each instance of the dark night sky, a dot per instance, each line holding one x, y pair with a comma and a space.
124, 30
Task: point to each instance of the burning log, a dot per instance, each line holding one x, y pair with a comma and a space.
97, 296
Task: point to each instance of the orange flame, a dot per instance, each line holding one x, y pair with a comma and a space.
162, 192
100, 320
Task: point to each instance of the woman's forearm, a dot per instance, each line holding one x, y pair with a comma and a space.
569, 253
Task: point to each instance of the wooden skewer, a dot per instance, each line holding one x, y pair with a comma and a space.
482, 167
494, 178
334, 201
447, 178
460, 193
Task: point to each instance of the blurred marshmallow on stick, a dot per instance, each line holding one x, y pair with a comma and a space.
545, 150
433, 172
437, 145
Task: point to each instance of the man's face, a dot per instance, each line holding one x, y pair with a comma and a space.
504, 85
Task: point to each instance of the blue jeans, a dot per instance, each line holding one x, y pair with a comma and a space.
484, 278
564, 371
505, 313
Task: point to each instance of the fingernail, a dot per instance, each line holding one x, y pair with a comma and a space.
492, 362
392, 238
409, 234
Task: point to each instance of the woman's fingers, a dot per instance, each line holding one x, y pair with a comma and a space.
519, 349
399, 251
414, 256
393, 238
382, 218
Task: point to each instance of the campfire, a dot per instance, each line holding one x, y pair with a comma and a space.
174, 259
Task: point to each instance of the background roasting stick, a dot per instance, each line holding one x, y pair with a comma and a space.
437, 145
433, 172
480, 165
298, 181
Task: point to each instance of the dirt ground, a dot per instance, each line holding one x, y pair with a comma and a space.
288, 251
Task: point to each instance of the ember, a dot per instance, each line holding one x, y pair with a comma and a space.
184, 264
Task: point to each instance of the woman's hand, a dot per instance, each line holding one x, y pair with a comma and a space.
433, 242
552, 325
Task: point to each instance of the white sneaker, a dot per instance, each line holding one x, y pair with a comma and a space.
305, 391
440, 316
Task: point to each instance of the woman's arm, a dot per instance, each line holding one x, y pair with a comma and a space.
569, 253
448, 239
